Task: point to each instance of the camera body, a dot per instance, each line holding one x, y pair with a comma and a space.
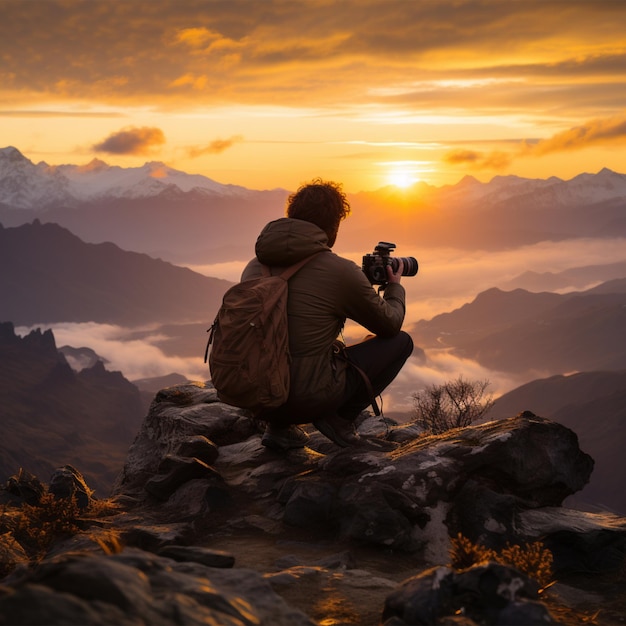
375, 264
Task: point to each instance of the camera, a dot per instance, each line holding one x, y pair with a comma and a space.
375, 265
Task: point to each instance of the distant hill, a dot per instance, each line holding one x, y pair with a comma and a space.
593, 405
52, 415
48, 275
545, 333
578, 277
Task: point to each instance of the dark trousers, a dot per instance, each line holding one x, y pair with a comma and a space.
381, 358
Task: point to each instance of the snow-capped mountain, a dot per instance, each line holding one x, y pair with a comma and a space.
583, 189
26, 185
187, 218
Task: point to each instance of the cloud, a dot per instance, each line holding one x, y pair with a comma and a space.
135, 358
478, 160
246, 51
217, 146
51, 113
595, 132
131, 141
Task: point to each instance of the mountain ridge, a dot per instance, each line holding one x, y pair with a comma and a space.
548, 333
51, 275
192, 219
52, 415
37, 186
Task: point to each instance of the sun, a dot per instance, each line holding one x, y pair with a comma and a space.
401, 178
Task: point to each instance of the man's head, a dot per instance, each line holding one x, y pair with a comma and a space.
321, 203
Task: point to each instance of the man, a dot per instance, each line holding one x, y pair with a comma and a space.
325, 388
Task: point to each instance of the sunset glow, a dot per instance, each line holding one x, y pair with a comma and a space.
402, 175
271, 94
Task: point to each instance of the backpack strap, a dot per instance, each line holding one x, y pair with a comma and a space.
286, 274
339, 349
292, 269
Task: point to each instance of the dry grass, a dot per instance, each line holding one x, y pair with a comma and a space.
36, 526
532, 559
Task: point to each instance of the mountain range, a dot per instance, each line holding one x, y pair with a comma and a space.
48, 274
153, 209
52, 415
575, 277
187, 218
535, 333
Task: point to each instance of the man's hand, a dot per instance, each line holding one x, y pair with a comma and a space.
394, 277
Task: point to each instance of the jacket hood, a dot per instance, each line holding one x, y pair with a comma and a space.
286, 241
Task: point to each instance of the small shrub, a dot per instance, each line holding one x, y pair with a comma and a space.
456, 403
531, 559
464, 553
36, 526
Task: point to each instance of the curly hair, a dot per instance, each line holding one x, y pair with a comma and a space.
322, 203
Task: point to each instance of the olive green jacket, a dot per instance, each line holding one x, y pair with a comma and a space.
326, 291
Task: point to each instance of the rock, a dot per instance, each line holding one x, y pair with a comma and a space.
23, 487
154, 537
489, 593
175, 471
210, 558
135, 587
179, 419
198, 447
67, 482
479, 481
580, 542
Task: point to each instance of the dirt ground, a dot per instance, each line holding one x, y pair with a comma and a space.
330, 600
335, 598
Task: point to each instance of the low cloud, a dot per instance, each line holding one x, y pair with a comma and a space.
448, 278
142, 358
215, 147
135, 358
132, 141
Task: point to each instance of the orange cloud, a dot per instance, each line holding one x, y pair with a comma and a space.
491, 160
462, 156
599, 131
215, 147
131, 141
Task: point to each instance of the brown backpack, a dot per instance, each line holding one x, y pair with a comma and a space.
249, 355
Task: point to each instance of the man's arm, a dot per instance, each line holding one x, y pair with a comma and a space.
381, 316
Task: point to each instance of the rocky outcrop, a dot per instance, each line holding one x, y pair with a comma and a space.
195, 458
201, 496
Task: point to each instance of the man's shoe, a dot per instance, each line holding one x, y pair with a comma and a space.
284, 438
338, 430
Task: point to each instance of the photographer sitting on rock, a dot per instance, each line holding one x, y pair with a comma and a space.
330, 383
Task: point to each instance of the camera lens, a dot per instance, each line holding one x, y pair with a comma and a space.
409, 265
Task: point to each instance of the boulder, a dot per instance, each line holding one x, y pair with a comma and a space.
399, 490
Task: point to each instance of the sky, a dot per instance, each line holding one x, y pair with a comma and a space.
272, 93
